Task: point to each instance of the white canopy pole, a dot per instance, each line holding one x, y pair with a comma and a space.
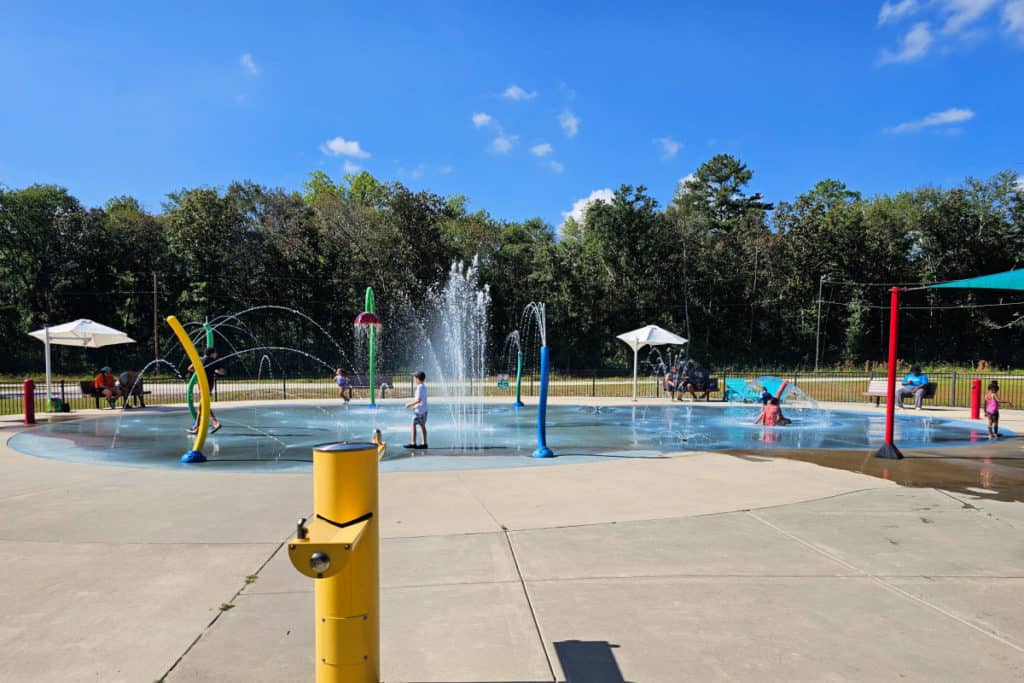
636, 352
49, 381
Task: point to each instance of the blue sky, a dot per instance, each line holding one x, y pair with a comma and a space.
524, 107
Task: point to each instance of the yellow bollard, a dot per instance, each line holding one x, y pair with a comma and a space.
340, 550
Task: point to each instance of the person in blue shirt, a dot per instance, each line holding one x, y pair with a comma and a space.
913, 385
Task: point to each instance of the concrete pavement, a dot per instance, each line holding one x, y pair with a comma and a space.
700, 566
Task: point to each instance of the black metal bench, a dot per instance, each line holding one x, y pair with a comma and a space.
89, 390
710, 385
385, 383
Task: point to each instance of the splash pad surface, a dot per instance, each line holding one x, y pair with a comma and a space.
280, 437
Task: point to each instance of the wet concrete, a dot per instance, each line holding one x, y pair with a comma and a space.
988, 471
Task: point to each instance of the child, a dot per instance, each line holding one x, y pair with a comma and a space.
419, 409
211, 379
992, 403
766, 397
343, 385
771, 415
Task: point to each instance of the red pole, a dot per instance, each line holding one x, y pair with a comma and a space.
975, 399
889, 450
28, 389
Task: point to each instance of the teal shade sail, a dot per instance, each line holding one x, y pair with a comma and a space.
1011, 279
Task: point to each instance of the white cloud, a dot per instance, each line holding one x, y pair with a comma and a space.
339, 146
514, 92
1019, 185
481, 119
963, 13
681, 184
942, 118
351, 168
503, 143
894, 11
915, 46
446, 169
541, 150
579, 207
556, 167
570, 123
1013, 18
669, 147
249, 64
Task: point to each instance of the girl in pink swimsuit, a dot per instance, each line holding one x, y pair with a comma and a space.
992, 403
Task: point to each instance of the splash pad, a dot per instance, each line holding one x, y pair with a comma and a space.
279, 437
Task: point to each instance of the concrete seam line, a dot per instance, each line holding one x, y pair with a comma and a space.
217, 616
472, 494
529, 604
892, 588
968, 505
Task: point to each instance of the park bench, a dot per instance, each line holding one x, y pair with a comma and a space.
89, 390
879, 389
710, 385
385, 383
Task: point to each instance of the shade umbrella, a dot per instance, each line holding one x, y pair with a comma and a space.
81, 333
651, 335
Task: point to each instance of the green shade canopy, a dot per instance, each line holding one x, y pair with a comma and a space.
1011, 279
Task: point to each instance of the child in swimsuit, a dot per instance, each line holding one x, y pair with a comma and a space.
992, 403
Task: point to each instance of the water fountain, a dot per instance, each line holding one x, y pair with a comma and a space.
368, 323
513, 340
455, 350
190, 387
538, 313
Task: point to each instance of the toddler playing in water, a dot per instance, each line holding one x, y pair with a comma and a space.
771, 414
992, 403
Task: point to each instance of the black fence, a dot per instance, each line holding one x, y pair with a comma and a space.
952, 388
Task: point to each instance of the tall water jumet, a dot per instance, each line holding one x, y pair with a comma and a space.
457, 362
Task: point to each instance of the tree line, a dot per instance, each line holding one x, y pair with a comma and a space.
737, 275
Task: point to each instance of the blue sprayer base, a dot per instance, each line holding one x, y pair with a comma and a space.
193, 457
543, 452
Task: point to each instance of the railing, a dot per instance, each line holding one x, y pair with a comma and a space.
953, 388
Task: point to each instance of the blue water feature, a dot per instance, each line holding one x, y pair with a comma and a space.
280, 437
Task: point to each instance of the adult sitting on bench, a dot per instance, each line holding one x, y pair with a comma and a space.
699, 380
669, 383
106, 386
130, 385
914, 384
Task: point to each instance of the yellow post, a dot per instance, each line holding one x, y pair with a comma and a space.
196, 454
340, 550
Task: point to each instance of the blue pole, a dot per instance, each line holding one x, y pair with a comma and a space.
542, 447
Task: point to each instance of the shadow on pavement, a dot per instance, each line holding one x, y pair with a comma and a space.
583, 661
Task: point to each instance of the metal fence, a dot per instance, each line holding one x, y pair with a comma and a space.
952, 388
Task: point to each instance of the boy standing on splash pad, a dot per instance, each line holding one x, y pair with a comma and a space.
419, 409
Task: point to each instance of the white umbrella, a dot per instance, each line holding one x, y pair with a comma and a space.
82, 333
651, 335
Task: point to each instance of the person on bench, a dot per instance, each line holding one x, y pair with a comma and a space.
130, 386
698, 381
669, 383
106, 385
914, 384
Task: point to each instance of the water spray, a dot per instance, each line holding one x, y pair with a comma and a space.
368, 320
542, 450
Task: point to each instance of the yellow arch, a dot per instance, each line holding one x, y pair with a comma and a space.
204, 382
